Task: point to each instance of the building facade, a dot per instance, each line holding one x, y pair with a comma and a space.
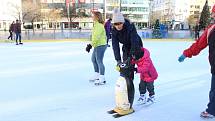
177, 12
135, 10
77, 13
49, 14
73, 13
196, 7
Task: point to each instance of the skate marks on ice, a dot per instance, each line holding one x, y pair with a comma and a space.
176, 86
147, 104
98, 84
173, 89
168, 88
138, 107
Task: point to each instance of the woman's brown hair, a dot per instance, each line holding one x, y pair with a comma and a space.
98, 16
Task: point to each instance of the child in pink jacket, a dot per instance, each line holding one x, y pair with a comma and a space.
148, 74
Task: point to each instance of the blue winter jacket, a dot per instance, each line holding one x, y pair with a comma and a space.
128, 36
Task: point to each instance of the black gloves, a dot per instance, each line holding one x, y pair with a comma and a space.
89, 46
124, 68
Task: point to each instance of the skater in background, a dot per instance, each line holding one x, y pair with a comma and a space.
197, 30
206, 39
108, 29
17, 30
148, 74
99, 44
124, 32
11, 30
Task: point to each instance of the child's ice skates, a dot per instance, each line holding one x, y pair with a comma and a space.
142, 99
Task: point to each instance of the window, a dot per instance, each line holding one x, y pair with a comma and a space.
124, 1
50, 25
110, 8
197, 6
138, 9
124, 8
136, 1
196, 12
66, 25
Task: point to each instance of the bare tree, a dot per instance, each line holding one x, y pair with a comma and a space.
53, 16
155, 15
192, 19
31, 12
73, 12
16, 10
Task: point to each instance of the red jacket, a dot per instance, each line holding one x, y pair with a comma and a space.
146, 68
207, 38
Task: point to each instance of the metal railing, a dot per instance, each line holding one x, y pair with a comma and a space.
85, 34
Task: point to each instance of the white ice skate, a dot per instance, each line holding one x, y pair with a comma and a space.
94, 77
151, 100
142, 99
100, 81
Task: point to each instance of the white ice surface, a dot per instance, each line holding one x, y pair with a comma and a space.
49, 82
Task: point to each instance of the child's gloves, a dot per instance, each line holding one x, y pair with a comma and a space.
89, 46
181, 58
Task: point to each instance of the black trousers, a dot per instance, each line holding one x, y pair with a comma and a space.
130, 77
11, 36
196, 35
146, 86
211, 104
131, 91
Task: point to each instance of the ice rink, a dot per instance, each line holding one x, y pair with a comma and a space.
49, 82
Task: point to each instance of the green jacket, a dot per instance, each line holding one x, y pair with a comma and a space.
98, 35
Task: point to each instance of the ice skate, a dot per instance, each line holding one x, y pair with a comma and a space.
100, 81
142, 99
94, 77
151, 99
205, 114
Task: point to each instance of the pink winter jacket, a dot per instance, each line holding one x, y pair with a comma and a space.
146, 68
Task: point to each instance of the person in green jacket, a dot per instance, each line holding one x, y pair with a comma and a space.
99, 44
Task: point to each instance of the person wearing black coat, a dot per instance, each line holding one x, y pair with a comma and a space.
197, 30
125, 33
18, 31
128, 37
11, 30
